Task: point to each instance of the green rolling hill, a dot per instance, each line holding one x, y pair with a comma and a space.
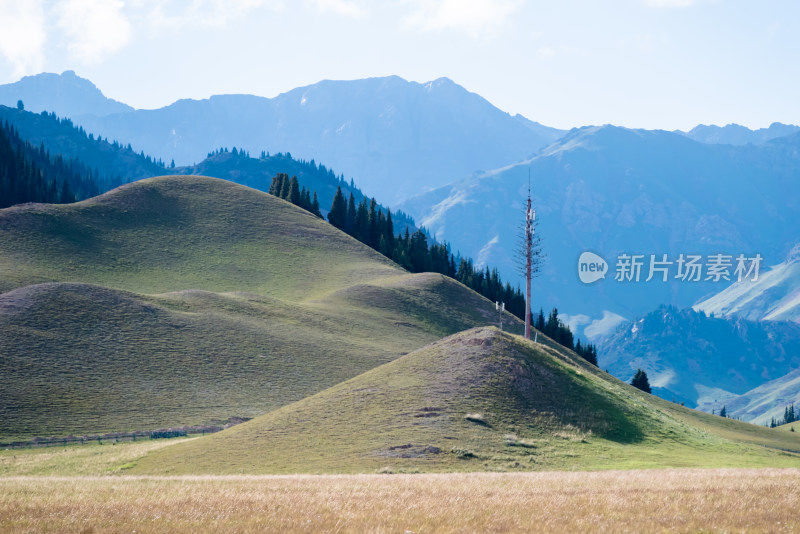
182, 300
475, 401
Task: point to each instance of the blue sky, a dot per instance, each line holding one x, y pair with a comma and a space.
639, 63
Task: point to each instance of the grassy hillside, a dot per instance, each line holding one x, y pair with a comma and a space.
478, 400
182, 300
790, 427
173, 233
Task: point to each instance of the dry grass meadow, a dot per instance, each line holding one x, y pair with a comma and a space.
675, 500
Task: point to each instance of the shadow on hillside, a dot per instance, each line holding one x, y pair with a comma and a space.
553, 395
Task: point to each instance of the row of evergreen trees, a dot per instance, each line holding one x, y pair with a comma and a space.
558, 331
30, 174
373, 226
789, 416
289, 189
368, 223
116, 145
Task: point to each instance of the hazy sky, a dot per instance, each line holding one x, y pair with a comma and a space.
640, 63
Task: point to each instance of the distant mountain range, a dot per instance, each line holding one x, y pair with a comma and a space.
763, 403
735, 134
738, 348
775, 296
66, 94
616, 191
395, 137
701, 360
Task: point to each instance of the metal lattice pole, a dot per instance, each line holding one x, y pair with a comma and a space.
530, 216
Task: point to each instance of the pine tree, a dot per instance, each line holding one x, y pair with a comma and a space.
294, 191
338, 214
273, 186
388, 232
551, 326
305, 199
361, 231
66, 197
723, 412
315, 206
418, 252
350, 221
640, 381
286, 188
373, 226
276, 188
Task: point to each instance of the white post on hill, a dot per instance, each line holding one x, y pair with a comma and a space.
500, 307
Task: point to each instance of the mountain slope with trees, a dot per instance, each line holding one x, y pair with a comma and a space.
700, 360
115, 164
369, 223
238, 166
28, 174
765, 403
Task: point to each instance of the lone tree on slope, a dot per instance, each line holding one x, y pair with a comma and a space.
640, 381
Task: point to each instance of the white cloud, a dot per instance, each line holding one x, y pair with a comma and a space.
22, 35
603, 327
340, 7
94, 28
203, 13
575, 322
474, 17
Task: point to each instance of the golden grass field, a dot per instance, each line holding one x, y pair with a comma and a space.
674, 500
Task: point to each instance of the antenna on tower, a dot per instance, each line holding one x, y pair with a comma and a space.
529, 182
